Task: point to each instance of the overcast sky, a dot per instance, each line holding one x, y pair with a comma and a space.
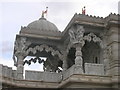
17, 13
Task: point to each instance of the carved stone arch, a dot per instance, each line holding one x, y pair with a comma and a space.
92, 50
94, 38
46, 48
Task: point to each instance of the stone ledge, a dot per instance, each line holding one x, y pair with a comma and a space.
80, 79
87, 79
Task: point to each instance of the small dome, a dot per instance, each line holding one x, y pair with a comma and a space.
43, 24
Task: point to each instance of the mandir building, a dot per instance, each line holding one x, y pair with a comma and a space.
84, 55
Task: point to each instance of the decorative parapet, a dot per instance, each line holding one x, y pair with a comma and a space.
43, 76
89, 18
112, 16
94, 69
7, 72
97, 19
112, 19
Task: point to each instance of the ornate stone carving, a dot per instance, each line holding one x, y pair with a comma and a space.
92, 36
77, 36
77, 41
21, 44
49, 65
46, 48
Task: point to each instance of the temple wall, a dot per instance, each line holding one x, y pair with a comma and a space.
113, 57
114, 62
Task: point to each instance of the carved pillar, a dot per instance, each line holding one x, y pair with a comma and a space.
77, 41
78, 54
19, 53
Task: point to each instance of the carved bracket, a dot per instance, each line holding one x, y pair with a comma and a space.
77, 36
21, 44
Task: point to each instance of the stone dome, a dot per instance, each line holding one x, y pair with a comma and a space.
43, 24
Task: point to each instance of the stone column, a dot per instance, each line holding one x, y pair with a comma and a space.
78, 54
21, 45
20, 67
77, 41
78, 59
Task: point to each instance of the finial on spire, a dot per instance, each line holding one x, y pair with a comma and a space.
44, 12
83, 10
